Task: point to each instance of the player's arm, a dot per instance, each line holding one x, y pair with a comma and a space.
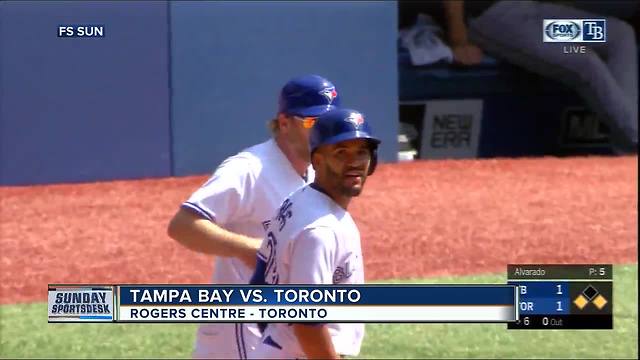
202, 235
311, 262
199, 224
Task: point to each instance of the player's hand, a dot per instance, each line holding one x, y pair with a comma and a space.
466, 54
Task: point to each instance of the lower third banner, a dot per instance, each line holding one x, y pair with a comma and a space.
228, 303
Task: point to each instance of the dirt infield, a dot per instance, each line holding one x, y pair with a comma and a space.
423, 218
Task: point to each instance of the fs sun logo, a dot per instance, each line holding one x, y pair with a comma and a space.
329, 93
356, 119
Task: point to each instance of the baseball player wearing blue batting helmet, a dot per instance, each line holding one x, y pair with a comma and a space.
340, 125
313, 240
227, 215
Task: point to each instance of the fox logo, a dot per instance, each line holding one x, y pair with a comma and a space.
329, 93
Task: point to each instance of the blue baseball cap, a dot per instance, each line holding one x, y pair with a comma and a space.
308, 95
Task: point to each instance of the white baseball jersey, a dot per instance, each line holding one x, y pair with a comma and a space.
241, 196
311, 240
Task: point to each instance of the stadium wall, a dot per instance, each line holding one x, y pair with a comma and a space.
174, 87
83, 109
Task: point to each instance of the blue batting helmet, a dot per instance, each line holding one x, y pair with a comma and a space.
308, 95
340, 125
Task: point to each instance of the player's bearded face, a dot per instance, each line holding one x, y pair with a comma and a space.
346, 165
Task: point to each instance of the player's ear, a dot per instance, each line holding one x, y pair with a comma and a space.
315, 158
283, 121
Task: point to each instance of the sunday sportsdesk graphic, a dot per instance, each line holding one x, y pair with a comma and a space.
81, 303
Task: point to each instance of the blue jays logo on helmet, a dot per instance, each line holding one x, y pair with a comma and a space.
356, 119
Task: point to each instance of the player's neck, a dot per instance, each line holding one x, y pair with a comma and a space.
298, 164
339, 199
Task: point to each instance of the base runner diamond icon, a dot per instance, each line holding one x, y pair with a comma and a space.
581, 302
600, 302
590, 292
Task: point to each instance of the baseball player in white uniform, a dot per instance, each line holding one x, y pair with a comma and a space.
227, 215
312, 239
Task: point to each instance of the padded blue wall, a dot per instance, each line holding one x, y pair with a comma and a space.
74, 110
83, 109
230, 59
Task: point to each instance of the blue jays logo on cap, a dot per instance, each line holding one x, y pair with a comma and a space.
330, 93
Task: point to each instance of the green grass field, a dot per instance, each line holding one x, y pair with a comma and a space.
25, 333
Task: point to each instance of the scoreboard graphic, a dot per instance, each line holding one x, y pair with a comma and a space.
563, 296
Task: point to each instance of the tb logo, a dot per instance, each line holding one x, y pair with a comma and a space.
595, 30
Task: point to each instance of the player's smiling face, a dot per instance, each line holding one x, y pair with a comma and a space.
343, 170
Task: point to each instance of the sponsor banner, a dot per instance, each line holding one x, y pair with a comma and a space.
582, 129
451, 129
